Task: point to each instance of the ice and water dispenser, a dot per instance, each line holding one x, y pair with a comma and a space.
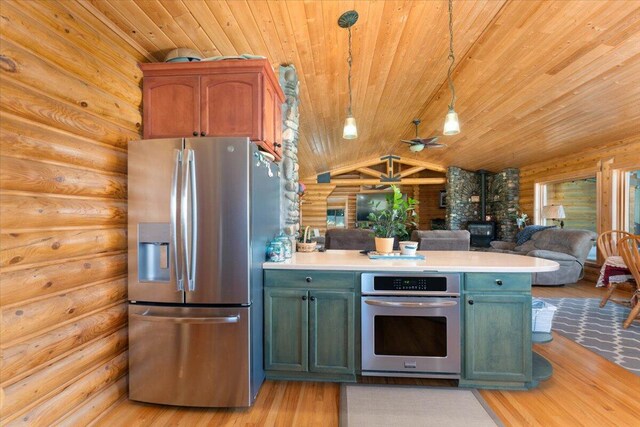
153, 252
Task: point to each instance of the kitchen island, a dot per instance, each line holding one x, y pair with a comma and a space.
318, 324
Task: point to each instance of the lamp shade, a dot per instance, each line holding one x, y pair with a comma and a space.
451, 123
350, 130
553, 212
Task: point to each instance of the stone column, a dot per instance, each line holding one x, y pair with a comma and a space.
461, 185
290, 201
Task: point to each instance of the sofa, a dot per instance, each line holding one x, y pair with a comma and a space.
441, 240
567, 247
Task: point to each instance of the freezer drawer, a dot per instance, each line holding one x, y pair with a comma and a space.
189, 356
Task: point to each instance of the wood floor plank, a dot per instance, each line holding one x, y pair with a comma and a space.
585, 389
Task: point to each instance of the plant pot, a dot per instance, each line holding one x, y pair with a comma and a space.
384, 245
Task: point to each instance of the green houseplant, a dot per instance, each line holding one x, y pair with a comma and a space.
392, 220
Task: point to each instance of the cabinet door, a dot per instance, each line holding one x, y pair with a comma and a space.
286, 329
231, 105
497, 337
171, 106
268, 122
331, 332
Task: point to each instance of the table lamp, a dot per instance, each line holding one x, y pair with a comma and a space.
554, 212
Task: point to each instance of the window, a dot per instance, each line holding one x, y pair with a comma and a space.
631, 201
335, 218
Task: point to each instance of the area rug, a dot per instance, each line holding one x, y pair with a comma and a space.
407, 406
599, 329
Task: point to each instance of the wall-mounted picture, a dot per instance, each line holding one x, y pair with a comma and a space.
443, 199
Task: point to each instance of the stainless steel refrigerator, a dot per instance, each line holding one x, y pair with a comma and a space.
201, 212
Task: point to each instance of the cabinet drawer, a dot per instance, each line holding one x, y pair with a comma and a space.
309, 279
497, 282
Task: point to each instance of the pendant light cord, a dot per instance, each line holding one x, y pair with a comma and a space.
349, 79
451, 56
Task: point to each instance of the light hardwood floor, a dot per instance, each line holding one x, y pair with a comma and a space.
585, 390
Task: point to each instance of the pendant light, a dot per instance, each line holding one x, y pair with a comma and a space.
346, 20
451, 124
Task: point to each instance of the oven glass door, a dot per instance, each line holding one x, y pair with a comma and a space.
411, 334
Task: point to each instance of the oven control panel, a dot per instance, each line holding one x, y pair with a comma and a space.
427, 284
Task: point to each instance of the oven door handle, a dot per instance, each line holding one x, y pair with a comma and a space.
410, 304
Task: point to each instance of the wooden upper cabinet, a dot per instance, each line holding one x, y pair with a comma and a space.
176, 106
217, 98
230, 105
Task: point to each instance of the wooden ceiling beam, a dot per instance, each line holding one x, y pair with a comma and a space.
369, 171
411, 171
368, 181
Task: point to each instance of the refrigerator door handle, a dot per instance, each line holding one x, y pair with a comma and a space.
194, 221
184, 210
151, 317
174, 220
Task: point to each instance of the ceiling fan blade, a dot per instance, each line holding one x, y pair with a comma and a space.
435, 145
412, 142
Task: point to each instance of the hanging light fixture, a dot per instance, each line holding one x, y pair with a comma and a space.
451, 124
346, 20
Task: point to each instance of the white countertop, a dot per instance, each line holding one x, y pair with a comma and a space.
442, 261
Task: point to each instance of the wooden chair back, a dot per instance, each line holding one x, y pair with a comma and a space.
628, 250
608, 241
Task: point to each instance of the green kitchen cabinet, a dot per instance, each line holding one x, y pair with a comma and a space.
286, 329
497, 331
310, 332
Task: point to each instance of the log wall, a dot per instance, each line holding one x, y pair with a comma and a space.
69, 103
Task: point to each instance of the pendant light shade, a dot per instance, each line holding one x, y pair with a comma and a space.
350, 130
346, 20
451, 124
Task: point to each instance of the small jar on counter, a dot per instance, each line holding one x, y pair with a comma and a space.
286, 244
275, 251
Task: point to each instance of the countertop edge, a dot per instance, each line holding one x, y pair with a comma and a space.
445, 262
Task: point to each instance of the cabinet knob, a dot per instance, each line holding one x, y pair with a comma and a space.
312, 298
195, 133
470, 302
304, 298
498, 282
276, 145
308, 279
203, 134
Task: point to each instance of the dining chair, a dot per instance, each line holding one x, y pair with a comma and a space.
628, 250
607, 246
608, 241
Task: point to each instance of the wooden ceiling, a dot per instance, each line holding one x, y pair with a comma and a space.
534, 80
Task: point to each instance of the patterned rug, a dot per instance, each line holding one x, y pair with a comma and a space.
599, 329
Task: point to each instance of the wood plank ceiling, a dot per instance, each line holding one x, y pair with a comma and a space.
534, 80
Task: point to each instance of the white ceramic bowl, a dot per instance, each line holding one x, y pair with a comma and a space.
408, 248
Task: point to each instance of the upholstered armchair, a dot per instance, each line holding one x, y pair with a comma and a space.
441, 240
567, 247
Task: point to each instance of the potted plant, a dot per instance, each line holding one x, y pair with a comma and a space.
392, 220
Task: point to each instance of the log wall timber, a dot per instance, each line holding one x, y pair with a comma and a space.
314, 206
70, 102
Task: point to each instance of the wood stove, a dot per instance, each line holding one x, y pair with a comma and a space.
482, 232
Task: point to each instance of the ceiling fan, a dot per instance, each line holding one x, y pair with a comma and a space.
418, 144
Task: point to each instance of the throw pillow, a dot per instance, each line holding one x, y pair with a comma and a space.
526, 233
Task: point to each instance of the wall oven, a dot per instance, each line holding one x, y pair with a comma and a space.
411, 325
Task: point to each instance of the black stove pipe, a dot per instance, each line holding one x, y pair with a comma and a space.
483, 193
